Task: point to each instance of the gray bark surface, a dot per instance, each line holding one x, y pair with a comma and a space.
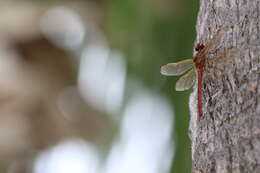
227, 139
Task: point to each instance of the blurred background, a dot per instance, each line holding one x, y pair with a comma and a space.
81, 89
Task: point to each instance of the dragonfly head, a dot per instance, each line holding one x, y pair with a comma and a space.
199, 47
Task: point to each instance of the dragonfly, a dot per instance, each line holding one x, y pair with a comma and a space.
194, 68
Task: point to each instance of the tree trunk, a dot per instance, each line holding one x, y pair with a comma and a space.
227, 139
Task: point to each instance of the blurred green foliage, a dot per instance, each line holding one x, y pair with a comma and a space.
152, 33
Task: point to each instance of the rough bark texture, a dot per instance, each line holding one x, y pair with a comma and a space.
228, 138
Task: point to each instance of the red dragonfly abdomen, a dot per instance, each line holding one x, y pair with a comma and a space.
200, 78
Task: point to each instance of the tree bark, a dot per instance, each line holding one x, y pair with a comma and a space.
227, 139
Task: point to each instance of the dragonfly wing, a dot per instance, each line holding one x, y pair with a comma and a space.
186, 81
226, 53
216, 39
178, 68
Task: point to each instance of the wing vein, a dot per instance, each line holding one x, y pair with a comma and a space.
174, 69
186, 81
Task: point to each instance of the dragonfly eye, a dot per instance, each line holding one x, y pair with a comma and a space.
199, 47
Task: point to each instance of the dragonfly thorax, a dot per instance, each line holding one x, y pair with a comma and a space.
199, 60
